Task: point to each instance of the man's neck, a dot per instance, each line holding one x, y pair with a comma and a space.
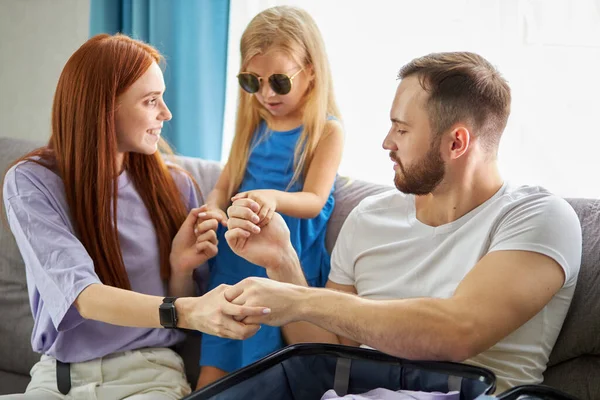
458, 195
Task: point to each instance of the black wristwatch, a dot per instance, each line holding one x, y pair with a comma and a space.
167, 313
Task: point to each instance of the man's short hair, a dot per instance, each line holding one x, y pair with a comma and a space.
463, 87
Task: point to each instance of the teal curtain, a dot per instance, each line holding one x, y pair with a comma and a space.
192, 36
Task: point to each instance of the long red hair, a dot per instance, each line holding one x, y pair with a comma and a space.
83, 150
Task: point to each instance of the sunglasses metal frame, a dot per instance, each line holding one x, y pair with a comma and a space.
261, 79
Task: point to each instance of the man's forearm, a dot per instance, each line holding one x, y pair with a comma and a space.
421, 328
290, 271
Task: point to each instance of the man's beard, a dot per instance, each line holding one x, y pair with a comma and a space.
424, 175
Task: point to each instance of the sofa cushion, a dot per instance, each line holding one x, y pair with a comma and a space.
578, 377
205, 172
13, 383
16, 354
580, 332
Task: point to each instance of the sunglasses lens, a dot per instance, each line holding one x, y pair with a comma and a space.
249, 83
280, 83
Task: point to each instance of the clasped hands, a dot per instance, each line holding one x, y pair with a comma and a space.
256, 233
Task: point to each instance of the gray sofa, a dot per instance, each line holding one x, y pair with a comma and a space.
574, 363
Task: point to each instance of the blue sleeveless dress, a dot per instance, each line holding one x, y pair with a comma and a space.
270, 166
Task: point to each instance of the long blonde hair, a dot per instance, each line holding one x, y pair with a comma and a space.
294, 32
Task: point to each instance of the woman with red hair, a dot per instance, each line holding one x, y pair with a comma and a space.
106, 231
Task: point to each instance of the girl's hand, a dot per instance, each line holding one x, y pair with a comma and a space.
266, 200
194, 243
208, 211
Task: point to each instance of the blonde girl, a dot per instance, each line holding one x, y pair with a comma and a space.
285, 155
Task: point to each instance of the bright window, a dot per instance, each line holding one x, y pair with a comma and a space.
549, 51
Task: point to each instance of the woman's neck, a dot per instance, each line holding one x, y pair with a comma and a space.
119, 162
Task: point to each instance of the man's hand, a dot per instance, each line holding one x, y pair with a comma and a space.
213, 314
266, 247
267, 202
193, 245
283, 299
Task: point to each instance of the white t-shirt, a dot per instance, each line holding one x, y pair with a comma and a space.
385, 252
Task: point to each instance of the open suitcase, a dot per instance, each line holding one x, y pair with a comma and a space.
307, 371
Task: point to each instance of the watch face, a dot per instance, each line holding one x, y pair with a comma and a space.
167, 315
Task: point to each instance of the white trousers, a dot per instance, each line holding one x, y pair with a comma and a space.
144, 374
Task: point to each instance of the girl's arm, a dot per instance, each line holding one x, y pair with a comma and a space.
318, 183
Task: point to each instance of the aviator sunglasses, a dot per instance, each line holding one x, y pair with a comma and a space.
280, 83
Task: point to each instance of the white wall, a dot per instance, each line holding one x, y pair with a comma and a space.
36, 39
548, 50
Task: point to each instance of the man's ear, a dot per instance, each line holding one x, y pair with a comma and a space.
459, 141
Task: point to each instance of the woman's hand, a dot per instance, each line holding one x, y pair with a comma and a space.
194, 244
267, 201
209, 212
215, 315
